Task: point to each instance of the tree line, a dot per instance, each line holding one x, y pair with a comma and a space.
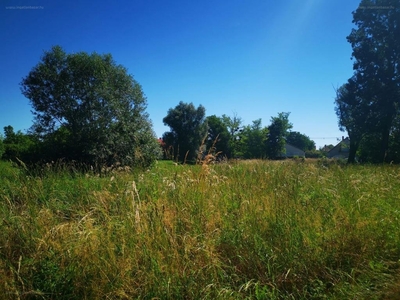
193, 135
90, 111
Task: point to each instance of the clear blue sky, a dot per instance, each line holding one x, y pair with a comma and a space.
255, 58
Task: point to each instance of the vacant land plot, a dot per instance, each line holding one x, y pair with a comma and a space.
254, 230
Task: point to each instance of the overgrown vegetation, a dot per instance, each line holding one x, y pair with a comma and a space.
243, 230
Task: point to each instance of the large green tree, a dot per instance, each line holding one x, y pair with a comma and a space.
92, 106
188, 129
277, 133
376, 53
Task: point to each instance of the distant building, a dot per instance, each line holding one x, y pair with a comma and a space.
341, 150
292, 151
326, 148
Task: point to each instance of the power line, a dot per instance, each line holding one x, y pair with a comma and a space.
325, 138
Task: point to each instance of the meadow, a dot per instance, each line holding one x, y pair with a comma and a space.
240, 230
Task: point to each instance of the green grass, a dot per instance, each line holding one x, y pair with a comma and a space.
245, 230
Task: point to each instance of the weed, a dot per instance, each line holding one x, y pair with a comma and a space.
241, 230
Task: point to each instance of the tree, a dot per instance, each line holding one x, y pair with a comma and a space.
218, 136
354, 115
277, 133
376, 54
253, 140
234, 126
93, 107
188, 128
300, 141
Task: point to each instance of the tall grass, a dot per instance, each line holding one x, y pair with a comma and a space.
245, 230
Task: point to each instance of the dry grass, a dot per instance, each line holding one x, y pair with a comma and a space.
253, 229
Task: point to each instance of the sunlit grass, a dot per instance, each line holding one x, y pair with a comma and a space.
258, 229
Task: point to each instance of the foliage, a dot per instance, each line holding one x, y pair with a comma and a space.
253, 141
218, 136
374, 90
314, 154
188, 128
354, 115
369, 148
277, 133
17, 145
235, 128
89, 109
300, 141
247, 230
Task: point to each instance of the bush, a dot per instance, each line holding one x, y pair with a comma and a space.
314, 154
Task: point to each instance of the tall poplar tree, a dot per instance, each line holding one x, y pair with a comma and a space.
376, 53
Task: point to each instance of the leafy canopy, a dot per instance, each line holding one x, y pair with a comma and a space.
253, 140
188, 128
92, 106
373, 92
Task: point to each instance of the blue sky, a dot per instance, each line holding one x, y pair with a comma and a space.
255, 58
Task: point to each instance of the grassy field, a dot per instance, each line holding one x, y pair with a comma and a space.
243, 230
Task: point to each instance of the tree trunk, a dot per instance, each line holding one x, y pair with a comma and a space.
352, 151
384, 144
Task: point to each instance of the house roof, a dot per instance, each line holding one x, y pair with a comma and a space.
338, 147
345, 141
292, 151
326, 148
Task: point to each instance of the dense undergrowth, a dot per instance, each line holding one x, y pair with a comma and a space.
244, 230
